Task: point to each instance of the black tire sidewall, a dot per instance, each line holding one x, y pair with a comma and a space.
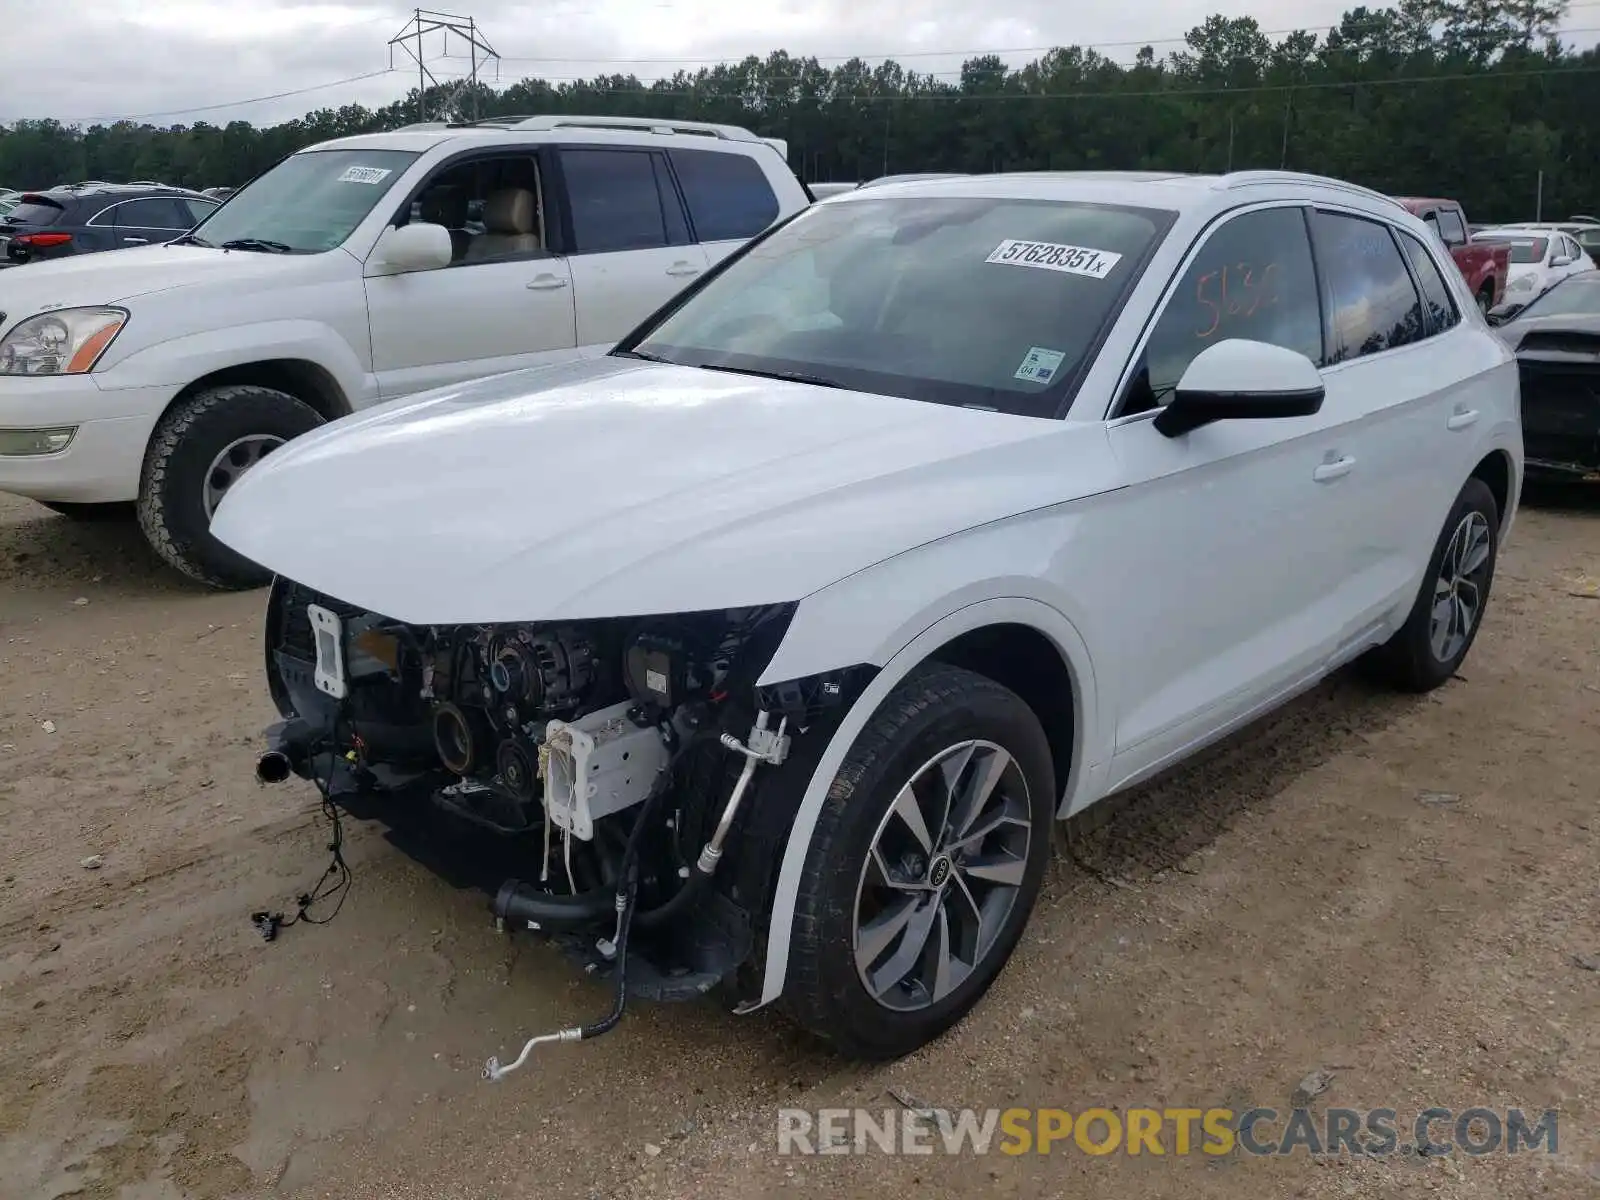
873, 773
185, 444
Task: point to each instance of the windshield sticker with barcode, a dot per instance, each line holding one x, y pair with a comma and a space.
364, 175
1040, 365
1053, 256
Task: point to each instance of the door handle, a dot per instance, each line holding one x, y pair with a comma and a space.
1461, 418
1337, 468
683, 268
546, 283
137, 241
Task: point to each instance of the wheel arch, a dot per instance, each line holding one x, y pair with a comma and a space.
1496, 471
993, 637
307, 381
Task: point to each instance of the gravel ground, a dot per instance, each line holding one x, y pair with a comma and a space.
1400, 890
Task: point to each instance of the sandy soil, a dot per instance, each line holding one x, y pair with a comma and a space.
1399, 888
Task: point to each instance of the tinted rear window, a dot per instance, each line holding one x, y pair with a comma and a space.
728, 194
35, 212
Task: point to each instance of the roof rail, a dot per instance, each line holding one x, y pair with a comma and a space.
1239, 179
422, 125
730, 133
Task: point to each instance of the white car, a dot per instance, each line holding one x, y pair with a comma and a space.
1541, 257
945, 510
355, 271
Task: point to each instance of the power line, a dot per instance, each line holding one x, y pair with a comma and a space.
183, 112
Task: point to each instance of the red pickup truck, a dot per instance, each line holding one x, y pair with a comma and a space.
1485, 266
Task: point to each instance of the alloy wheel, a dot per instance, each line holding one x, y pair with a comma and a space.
944, 870
1459, 588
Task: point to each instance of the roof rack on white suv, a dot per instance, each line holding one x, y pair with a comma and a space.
1251, 178
731, 133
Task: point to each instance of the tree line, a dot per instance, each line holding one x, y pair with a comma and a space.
1472, 99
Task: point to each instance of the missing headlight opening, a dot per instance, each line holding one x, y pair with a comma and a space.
618, 763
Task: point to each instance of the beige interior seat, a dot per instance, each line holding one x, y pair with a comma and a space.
511, 219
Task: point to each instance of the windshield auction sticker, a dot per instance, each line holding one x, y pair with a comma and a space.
1053, 256
364, 175
1040, 365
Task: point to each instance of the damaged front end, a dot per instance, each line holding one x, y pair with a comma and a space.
1559, 370
622, 763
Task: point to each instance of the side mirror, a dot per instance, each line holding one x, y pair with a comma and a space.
1561, 260
415, 247
1238, 380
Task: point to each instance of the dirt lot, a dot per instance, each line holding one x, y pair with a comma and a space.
1400, 889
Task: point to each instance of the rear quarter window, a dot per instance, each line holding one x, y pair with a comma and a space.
728, 194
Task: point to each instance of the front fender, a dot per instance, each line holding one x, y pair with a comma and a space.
178, 362
1088, 765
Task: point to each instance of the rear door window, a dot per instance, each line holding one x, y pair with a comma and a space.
1441, 306
728, 194
154, 212
1372, 304
615, 200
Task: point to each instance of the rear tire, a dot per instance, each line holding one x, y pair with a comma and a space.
1448, 612
971, 898
199, 448
90, 512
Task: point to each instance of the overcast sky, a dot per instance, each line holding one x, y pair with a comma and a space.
182, 61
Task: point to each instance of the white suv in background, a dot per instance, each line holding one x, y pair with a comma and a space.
352, 272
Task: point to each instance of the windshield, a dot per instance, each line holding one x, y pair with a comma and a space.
308, 203
1577, 295
1523, 249
957, 300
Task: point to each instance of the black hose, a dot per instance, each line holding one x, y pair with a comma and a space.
523, 904
628, 890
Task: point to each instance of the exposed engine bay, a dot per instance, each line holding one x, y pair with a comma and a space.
617, 758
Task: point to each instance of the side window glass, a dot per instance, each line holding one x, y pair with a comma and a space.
490, 206
1441, 306
1450, 226
614, 200
728, 194
1372, 304
157, 212
1253, 279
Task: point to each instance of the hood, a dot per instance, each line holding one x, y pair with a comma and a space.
114, 276
617, 488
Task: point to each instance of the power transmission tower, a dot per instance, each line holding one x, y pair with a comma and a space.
424, 22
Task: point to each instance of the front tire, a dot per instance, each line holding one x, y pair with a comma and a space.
199, 449
924, 866
1448, 612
